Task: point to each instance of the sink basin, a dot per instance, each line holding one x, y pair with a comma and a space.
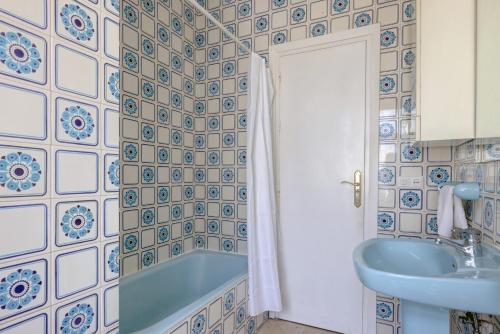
430, 279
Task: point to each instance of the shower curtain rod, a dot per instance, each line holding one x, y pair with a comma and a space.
218, 24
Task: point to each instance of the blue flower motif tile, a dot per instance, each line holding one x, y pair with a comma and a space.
76, 122
130, 60
130, 242
242, 230
148, 174
77, 23
176, 212
298, 14
22, 171
130, 14
411, 152
385, 311
408, 58
176, 249
279, 37
340, 6
387, 176
198, 323
245, 9
77, 222
147, 47
431, 226
409, 11
78, 316
489, 214
199, 241
387, 130
22, 54
240, 315
438, 175
261, 24
228, 245
23, 287
112, 172
148, 258
279, 3
148, 6
176, 24
213, 53
213, 226
163, 35
318, 29
113, 6
112, 77
130, 197
388, 84
163, 234
410, 199
386, 221
199, 208
176, 100
229, 300
389, 38
363, 19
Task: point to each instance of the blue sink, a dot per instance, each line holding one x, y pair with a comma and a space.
430, 279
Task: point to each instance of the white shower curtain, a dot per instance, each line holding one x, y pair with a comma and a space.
264, 290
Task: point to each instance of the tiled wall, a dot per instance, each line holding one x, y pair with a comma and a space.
183, 141
475, 162
226, 313
404, 211
159, 208
58, 176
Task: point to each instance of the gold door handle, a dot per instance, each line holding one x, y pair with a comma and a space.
357, 187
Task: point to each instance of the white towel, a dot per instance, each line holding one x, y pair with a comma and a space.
450, 212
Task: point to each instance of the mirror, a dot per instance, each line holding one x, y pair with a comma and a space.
488, 74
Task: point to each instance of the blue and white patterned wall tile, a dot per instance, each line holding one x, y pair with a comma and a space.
76, 122
438, 175
410, 199
23, 172
76, 222
59, 70
77, 23
111, 262
23, 55
25, 287
80, 314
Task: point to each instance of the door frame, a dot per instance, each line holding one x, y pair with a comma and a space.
371, 36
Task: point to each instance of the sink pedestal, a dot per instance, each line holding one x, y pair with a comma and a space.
420, 318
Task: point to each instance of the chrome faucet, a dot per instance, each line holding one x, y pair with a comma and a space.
467, 241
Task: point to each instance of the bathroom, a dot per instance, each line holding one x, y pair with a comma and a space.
151, 180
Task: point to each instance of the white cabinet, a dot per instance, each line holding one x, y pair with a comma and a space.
445, 91
488, 69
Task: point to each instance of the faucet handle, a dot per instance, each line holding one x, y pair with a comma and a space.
470, 236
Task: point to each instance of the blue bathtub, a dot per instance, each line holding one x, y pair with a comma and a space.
154, 300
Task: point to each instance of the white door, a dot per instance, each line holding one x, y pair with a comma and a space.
326, 113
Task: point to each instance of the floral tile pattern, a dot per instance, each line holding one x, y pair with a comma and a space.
58, 216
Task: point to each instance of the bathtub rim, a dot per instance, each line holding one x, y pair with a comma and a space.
169, 322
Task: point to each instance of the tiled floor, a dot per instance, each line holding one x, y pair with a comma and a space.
273, 326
